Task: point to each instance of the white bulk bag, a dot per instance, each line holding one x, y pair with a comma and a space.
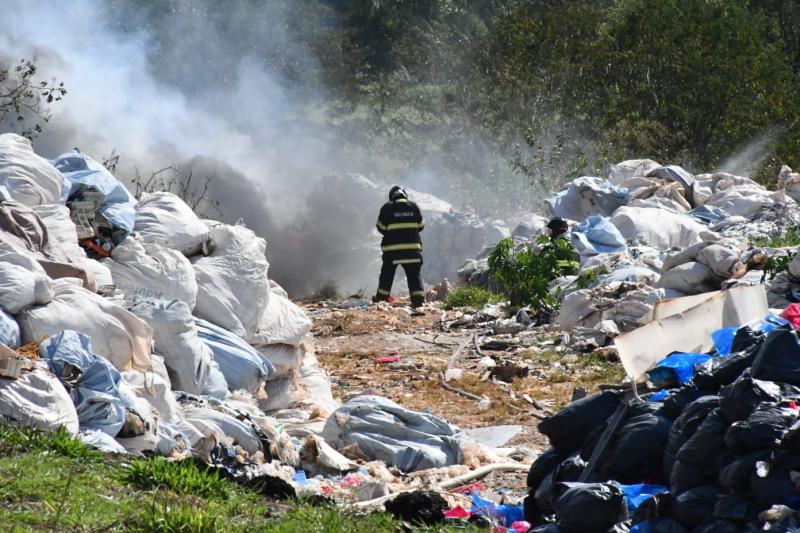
232, 285
165, 219
116, 334
187, 358
283, 322
31, 180
38, 399
142, 270
23, 282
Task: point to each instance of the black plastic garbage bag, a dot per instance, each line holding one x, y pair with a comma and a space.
738, 400
547, 528
734, 508
779, 357
695, 506
685, 476
637, 451
569, 469
589, 507
764, 429
718, 526
658, 506
678, 400
735, 476
568, 428
791, 440
664, 525
705, 446
771, 482
685, 426
543, 465
725, 370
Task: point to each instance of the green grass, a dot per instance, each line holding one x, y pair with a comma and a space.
54, 482
470, 296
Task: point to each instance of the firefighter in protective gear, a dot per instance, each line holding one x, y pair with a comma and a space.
400, 222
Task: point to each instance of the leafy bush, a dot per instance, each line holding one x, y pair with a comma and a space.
183, 477
470, 296
526, 273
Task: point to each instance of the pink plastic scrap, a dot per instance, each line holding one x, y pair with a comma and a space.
457, 512
388, 359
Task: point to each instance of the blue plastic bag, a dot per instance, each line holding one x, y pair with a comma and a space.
682, 364
723, 338
81, 172
635, 495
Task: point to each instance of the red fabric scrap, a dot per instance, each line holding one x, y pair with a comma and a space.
457, 512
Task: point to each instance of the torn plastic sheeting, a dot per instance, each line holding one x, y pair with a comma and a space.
709, 215
597, 235
493, 436
586, 196
241, 364
102, 441
678, 174
506, 514
385, 431
682, 364
689, 330
98, 391
81, 172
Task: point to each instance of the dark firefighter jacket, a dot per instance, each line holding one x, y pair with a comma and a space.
400, 222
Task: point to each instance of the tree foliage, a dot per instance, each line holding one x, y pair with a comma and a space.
25, 99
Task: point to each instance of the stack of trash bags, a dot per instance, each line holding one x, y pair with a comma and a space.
716, 449
647, 233
144, 328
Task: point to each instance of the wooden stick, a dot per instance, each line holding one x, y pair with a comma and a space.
463, 393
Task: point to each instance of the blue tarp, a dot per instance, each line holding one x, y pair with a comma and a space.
241, 364
94, 383
9, 330
709, 215
81, 172
597, 235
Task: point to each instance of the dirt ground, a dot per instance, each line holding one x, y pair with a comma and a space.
351, 344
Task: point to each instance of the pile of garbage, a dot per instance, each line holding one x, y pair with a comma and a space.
142, 329
648, 233
715, 448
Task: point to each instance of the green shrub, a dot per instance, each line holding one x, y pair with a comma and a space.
471, 296
183, 477
790, 237
525, 274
